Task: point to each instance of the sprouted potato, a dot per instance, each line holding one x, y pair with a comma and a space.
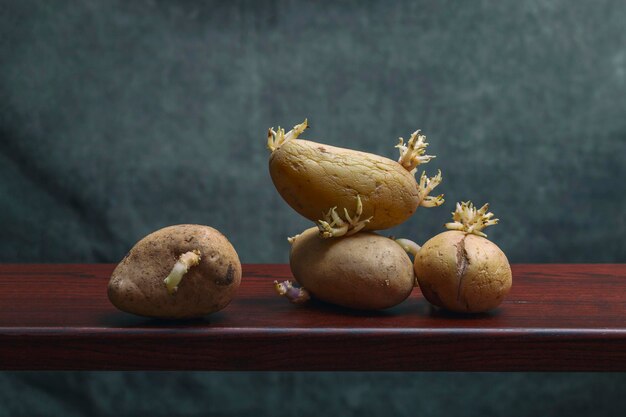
460, 270
345, 191
181, 271
364, 271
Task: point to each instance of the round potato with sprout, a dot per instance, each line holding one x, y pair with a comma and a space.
460, 270
364, 271
344, 190
181, 271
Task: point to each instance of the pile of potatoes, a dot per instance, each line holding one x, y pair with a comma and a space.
350, 195
188, 271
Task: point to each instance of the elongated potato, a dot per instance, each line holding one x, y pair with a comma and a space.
181, 271
364, 271
371, 192
312, 178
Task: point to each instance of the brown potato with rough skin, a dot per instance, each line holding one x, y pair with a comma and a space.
137, 286
313, 178
463, 272
364, 271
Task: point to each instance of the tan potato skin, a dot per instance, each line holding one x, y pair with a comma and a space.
137, 287
312, 178
365, 271
463, 272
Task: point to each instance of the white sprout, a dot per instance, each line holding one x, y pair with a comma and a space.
468, 219
276, 138
409, 246
333, 226
182, 265
425, 186
413, 153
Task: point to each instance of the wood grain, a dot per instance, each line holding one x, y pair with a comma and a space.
557, 317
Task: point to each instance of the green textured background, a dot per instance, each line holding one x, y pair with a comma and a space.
118, 118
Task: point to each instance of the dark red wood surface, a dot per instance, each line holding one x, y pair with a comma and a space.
557, 317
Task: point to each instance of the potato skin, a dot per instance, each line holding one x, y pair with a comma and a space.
312, 178
364, 271
463, 272
137, 287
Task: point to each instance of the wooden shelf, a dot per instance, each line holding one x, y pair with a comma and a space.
557, 317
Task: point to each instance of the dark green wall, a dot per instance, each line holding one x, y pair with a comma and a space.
125, 394
118, 118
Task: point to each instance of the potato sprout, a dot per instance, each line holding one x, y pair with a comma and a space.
293, 292
470, 220
409, 246
276, 138
334, 226
185, 261
412, 154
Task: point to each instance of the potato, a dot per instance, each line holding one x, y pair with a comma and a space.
364, 271
463, 271
199, 257
374, 192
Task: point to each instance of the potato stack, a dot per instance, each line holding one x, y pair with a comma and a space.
349, 195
